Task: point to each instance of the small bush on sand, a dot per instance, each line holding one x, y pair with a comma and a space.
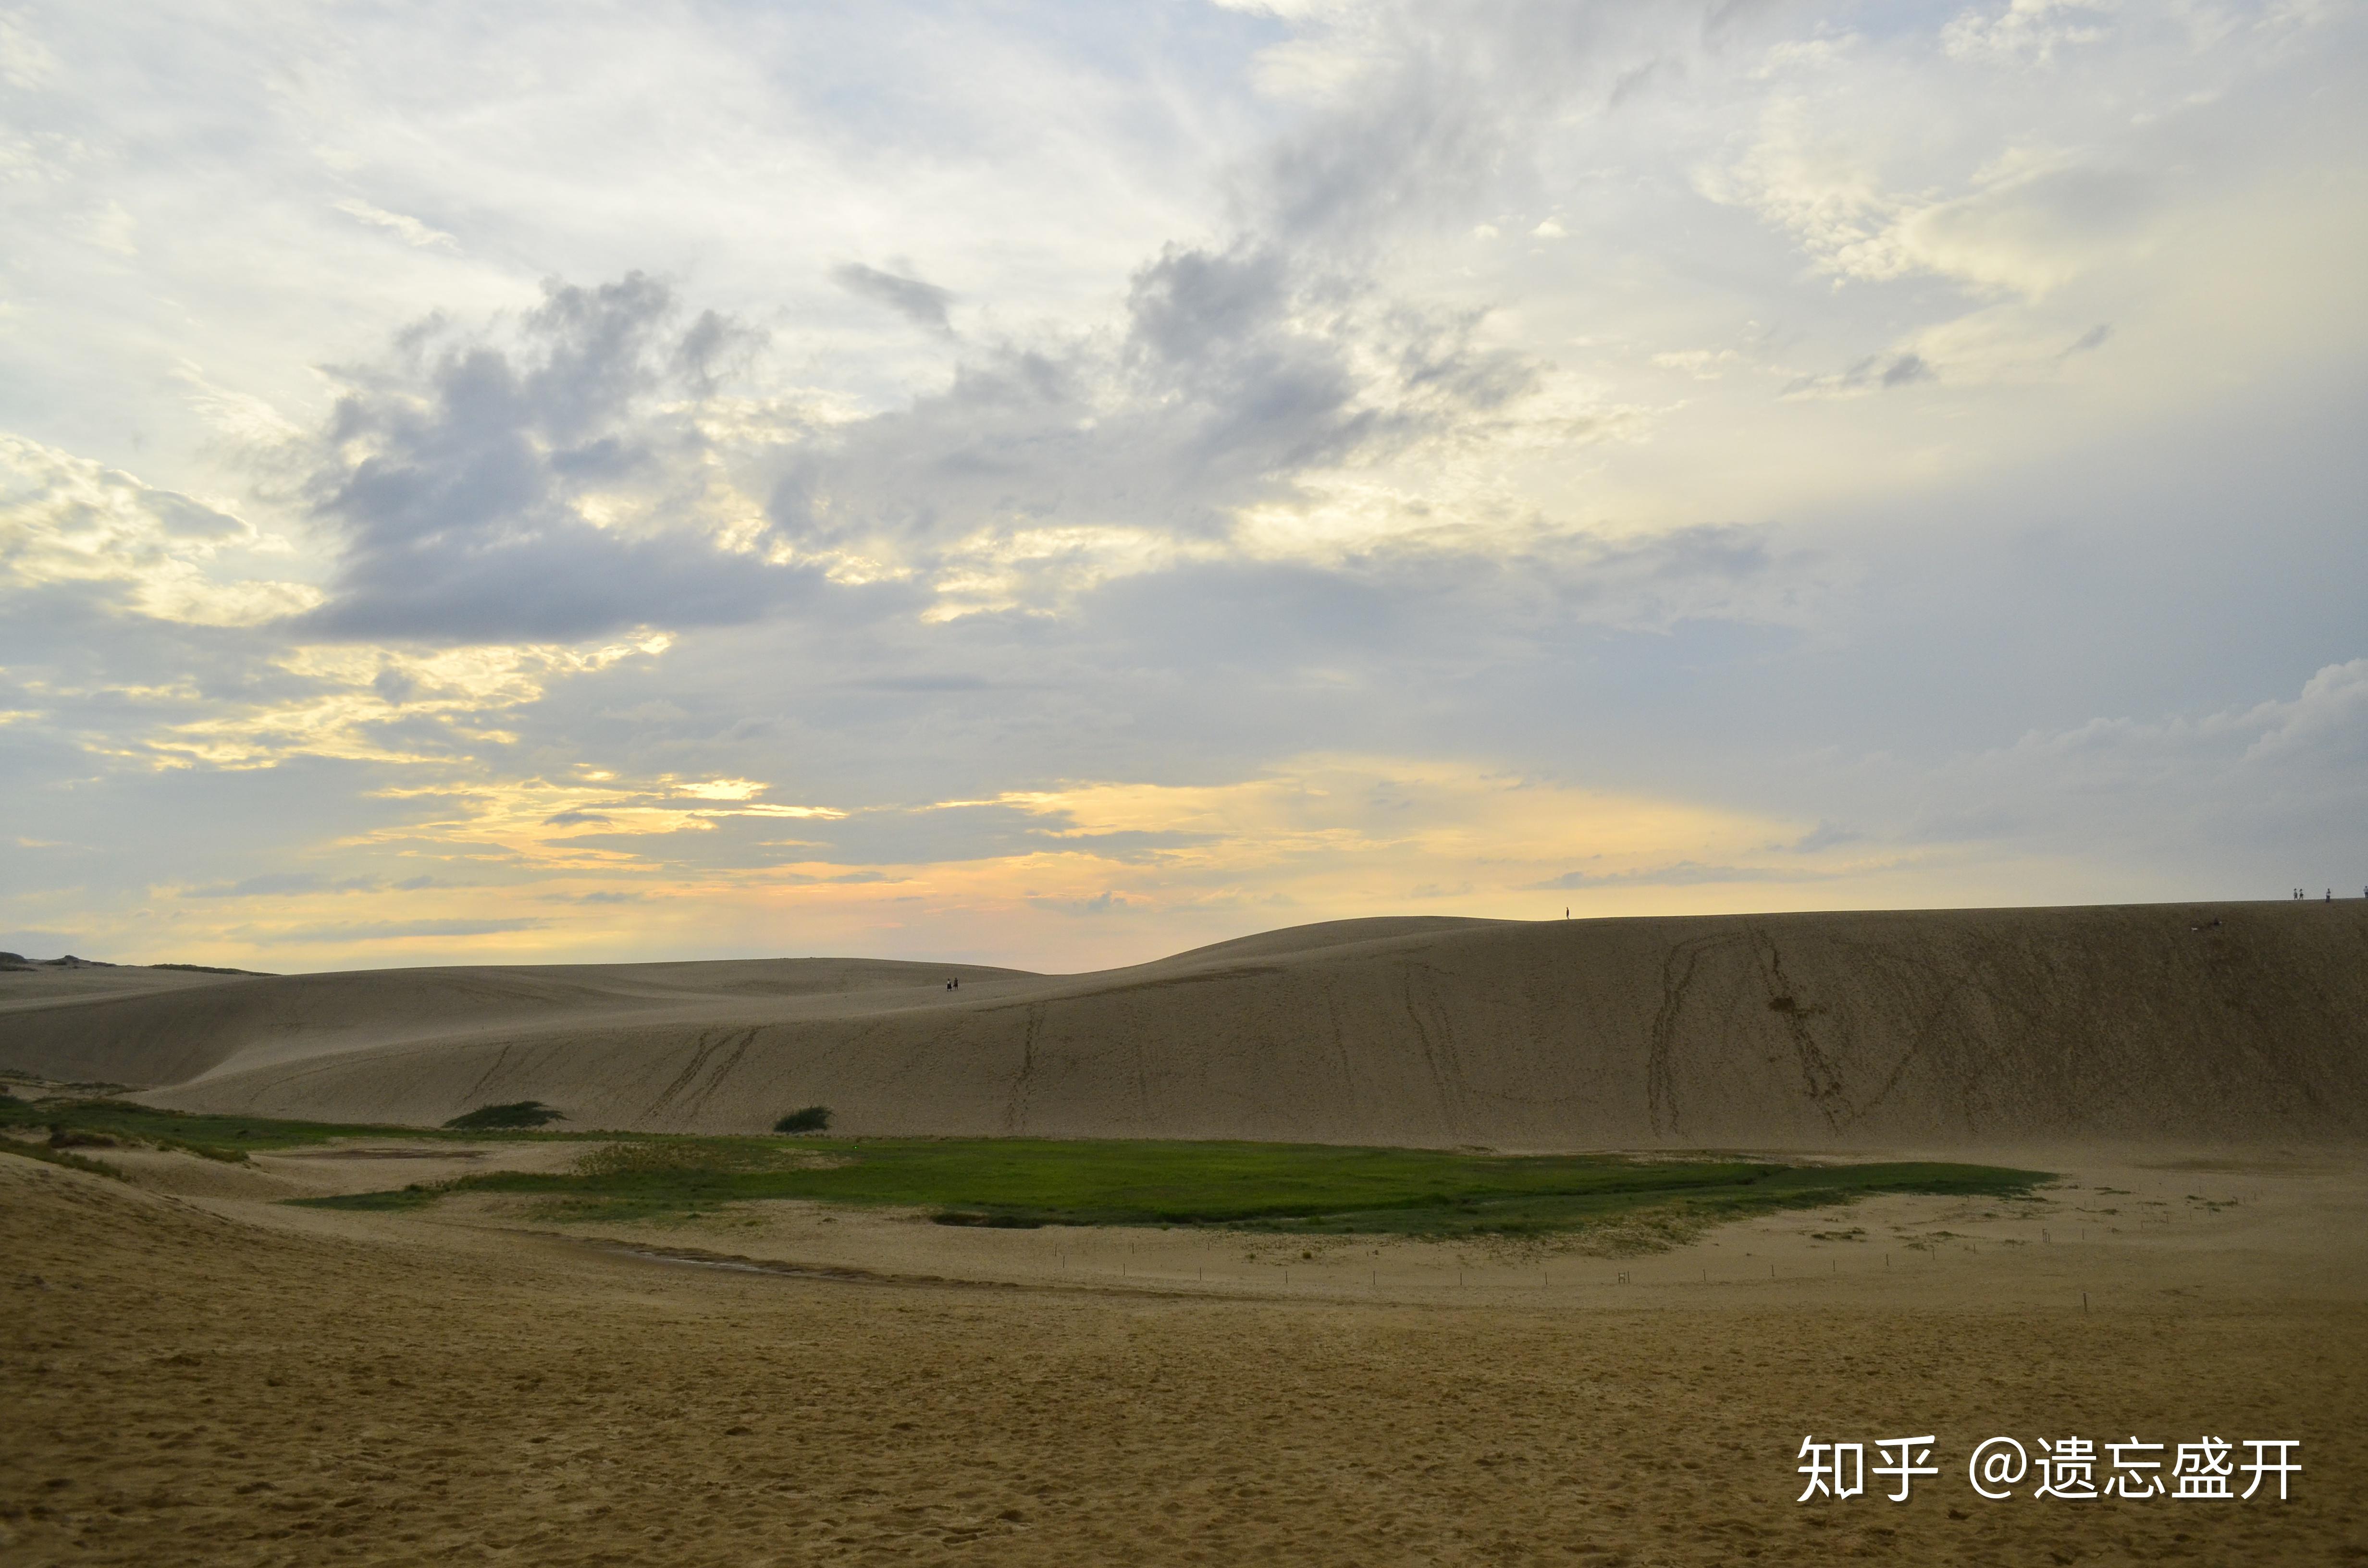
993, 1222
492, 1117
814, 1119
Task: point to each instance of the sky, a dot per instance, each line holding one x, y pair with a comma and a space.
1058, 484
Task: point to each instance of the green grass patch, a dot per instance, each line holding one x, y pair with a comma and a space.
1018, 1182
1296, 1188
230, 1138
416, 1196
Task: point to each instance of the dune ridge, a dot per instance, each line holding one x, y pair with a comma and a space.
2220, 1023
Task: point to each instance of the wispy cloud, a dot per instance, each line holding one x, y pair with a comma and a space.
923, 305
411, 231
395, 930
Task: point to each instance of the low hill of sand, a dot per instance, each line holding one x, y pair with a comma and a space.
2227, 1023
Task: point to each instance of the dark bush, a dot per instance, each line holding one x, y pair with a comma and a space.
992, 1221
517, 1113
814, 1119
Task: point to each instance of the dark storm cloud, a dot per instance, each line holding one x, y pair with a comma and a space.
453, 478
923, 305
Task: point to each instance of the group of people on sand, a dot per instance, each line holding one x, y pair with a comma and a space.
953, 985
2305, 892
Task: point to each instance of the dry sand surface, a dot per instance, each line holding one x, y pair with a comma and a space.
219, 1380
2196, 1023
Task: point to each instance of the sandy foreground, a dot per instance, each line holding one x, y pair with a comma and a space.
218, 1379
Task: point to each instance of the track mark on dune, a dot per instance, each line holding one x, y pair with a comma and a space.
1660, 1076
1943, 1009
706, 1048
697, 1101
1015, 1108
501, 1059
1142, 1083
1820, 1074
1438, 1056
1340, 1049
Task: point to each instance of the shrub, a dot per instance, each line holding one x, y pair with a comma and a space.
517, 1113
993, 1222
814, 1119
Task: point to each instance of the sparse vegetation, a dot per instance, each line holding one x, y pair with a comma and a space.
514, 1116
49, 1157
70, 1122
813, 1118
228, 1138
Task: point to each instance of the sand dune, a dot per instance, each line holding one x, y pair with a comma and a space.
2237, 1023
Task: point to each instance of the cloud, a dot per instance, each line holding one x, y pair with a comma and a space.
1876, 372
1418, 112
1107, 901
411, 231
1041, 472
67, 520
555, 488
280, 884
582, 474
1681, 874
2025, 32
396, 930
2094, 338
923, 305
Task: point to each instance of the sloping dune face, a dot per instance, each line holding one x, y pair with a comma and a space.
2237, 1023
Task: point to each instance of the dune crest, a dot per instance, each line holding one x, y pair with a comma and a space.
2230, 1023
